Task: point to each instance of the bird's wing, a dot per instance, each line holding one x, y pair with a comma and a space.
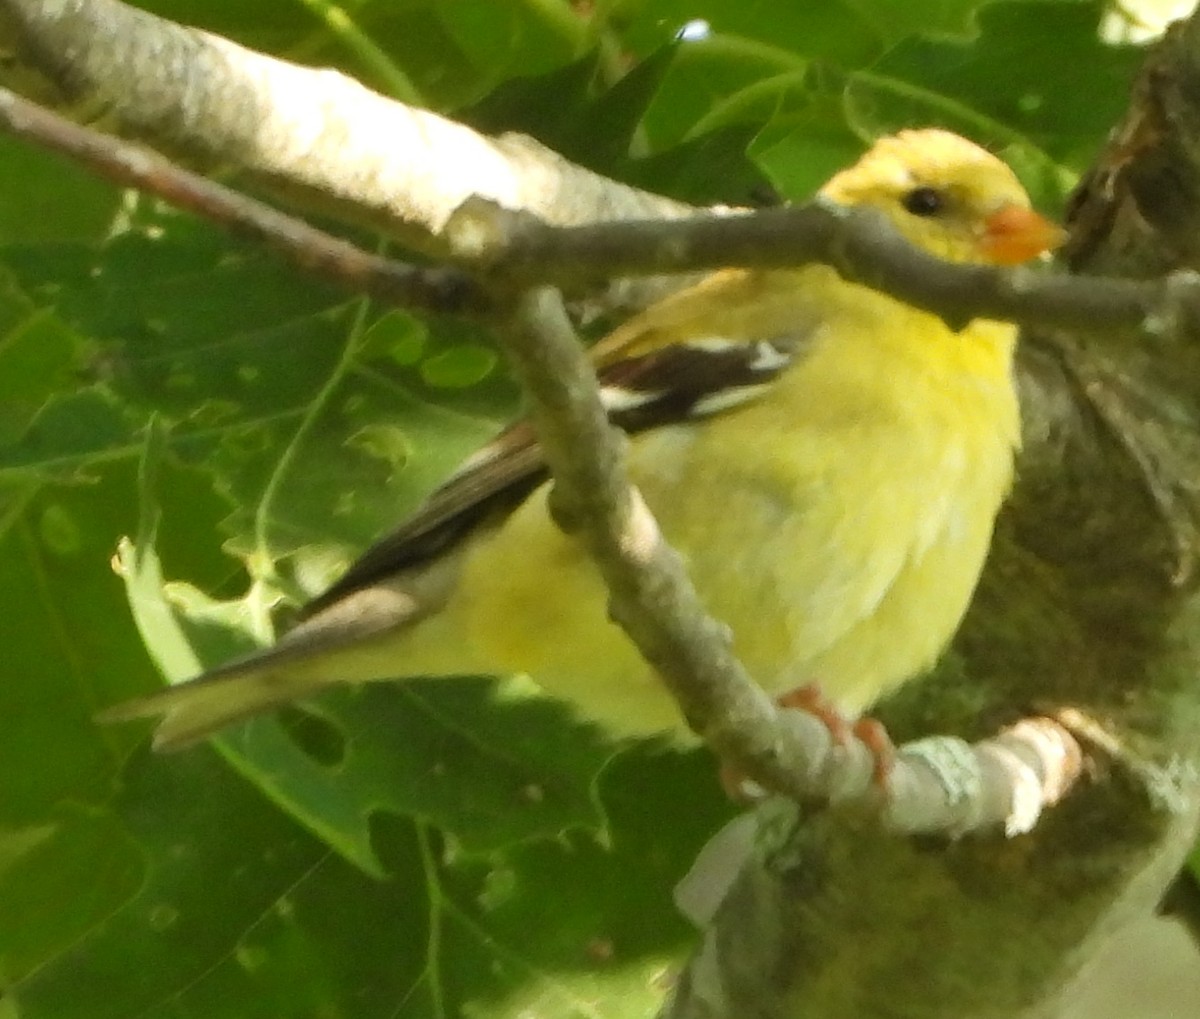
490, 483
644, 384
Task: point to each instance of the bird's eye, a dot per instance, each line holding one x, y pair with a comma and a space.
924, 201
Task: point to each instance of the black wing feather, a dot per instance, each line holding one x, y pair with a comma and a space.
664, 386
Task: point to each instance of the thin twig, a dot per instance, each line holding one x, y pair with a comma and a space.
858, 242
515, 250
309, 249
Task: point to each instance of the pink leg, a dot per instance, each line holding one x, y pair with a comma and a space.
812, 701
875, 738
870, 731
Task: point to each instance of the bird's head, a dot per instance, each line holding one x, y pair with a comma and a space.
947, 196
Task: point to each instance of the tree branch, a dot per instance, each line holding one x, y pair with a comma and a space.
515, 249
859, 243
309, 249
315, 136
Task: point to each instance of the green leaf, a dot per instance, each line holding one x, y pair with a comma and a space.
66, 634
231, 910
834, 29
1046, 53
799, 153
570, 110
492, 763
703, 77
260, 375
466, 364
38, 356
215, 866
48, 199
69, 645
895, 21
545, 106
707, 170
1062, 87
59, 879
505, 37
604, 136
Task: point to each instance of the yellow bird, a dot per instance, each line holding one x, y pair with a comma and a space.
828, 460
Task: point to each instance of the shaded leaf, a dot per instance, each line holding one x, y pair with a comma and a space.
492, 763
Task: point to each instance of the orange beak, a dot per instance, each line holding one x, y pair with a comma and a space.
1013, 234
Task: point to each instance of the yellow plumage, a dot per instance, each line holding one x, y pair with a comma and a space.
837, 520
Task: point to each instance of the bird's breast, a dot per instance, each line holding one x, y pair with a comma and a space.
840, 524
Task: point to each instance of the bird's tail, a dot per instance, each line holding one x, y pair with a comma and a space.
367, 635
189, 712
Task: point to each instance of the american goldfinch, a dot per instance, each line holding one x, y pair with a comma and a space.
828, 461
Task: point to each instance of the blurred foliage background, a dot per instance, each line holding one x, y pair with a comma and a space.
192, 438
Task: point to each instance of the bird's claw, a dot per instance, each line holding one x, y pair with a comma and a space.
868, 731
740, 788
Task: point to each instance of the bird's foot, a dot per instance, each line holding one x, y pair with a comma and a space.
869, 731
875, 737
809, 699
